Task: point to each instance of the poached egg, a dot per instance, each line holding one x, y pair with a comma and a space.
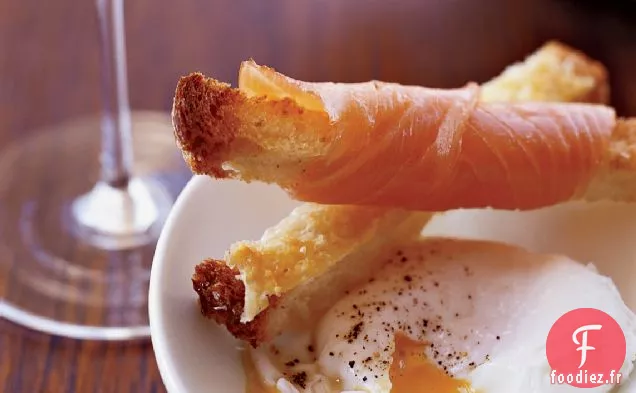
443, 316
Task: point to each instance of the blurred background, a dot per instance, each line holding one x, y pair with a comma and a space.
49, 63
49, 73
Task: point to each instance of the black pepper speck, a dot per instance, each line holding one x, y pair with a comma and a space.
300, 379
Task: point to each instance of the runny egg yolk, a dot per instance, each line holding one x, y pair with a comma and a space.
412, 372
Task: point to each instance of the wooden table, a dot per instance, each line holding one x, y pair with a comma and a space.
48, 73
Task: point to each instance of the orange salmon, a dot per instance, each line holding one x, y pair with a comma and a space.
390, 145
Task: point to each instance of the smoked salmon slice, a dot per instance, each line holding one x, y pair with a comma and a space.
246, 291
384, 144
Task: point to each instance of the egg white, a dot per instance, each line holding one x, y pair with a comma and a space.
485, 309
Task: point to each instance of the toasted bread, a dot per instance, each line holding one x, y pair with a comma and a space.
273, 137
238, 292
266, 286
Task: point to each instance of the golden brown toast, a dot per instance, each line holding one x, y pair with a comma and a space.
260, 285
273, 136
269, 284
279, 136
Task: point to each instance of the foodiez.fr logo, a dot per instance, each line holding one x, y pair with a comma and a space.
586, 348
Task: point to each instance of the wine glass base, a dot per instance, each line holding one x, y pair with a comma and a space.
119, 218
57, 275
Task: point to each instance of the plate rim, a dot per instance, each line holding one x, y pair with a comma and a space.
157, 330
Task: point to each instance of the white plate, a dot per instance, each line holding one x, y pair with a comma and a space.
192, 353
196, 356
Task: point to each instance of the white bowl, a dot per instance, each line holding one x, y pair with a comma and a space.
196, 356
193, 354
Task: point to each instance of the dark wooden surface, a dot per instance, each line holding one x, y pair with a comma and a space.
48, 73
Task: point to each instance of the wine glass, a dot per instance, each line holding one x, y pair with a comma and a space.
77, 233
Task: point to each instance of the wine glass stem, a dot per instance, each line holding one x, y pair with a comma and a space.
116, 151
121, 211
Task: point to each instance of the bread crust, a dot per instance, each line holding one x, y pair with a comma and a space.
222, 298
204, 121
222, 285
215, 123
230, 133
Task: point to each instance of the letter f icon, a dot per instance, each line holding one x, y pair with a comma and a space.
583, 344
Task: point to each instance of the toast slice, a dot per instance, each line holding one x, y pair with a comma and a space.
266, 286
270, 137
